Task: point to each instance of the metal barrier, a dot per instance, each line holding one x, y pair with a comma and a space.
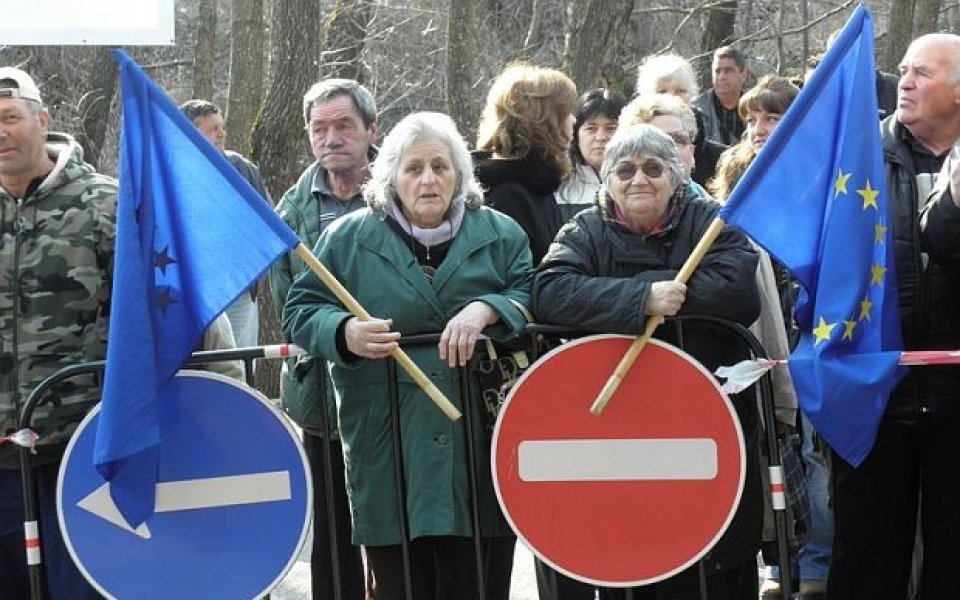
752, 349
31, 525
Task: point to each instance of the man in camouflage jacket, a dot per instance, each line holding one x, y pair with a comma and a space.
57, 218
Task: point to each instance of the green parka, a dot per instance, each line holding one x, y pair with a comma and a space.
307, 207
488, 260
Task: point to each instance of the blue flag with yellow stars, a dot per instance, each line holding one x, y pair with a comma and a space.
815, 198
192, 235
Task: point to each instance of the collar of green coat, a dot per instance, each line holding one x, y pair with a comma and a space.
476, 231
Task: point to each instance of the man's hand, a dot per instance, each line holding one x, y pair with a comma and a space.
955, 176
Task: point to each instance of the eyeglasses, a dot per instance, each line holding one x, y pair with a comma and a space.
651, 167
680, 138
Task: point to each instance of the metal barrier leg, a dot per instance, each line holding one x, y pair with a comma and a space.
31, 528
777, 498
472, 480
702, 574
333, 542
394, 397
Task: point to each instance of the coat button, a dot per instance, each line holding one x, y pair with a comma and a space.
441, 439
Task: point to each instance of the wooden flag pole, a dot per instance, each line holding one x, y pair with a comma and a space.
358, 311
626, 363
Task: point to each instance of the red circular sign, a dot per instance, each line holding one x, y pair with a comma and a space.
631, 496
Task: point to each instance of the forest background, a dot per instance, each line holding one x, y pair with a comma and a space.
256, 58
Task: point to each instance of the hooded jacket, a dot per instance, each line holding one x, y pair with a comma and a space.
56, 265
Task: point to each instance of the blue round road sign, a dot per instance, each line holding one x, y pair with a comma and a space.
232, 508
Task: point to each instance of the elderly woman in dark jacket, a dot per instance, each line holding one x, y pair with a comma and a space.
612, 268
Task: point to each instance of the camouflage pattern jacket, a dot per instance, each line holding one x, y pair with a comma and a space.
56, 261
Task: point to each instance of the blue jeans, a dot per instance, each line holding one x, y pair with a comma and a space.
816, 550
62, 580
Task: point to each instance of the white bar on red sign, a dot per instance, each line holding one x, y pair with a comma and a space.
618, 460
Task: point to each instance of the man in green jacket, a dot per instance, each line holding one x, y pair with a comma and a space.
341, 122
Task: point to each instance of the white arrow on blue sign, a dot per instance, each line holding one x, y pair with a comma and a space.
232, 502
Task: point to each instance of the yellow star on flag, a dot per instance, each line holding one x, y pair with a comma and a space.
822, 331
865, 307
848, 327
876, 274
840, 185
880, 233
869, 196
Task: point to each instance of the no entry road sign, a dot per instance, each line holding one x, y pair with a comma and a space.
232, 500
631, 496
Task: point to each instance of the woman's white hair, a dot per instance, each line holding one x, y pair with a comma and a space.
380, 190
664, 68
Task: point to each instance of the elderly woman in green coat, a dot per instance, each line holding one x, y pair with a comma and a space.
425, 256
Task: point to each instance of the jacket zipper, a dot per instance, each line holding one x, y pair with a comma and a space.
18, 227
923, 313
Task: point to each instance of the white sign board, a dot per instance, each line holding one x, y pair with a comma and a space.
95, 22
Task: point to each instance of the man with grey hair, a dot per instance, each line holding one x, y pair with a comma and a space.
341, 122
912, 464
57, 223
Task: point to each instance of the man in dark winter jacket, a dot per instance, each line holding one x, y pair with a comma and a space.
913, 461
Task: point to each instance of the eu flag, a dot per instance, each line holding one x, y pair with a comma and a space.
192, 235
815, 198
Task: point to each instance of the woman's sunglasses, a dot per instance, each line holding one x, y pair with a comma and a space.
627, 170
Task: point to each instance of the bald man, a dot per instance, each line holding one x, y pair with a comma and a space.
914, 462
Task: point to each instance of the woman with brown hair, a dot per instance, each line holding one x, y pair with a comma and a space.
523, 143
597, 114
761, 108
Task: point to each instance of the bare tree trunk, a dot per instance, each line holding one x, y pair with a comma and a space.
781, 54
246, 73
899, 33
344, 37
717, 32
927, 13
462, 98
204, 56
805, 17
533, 32
94, 106
596, 30
278, 140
